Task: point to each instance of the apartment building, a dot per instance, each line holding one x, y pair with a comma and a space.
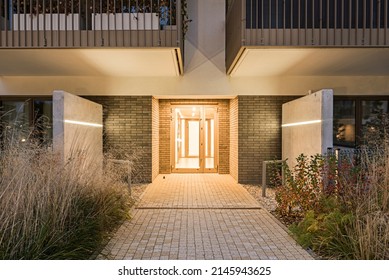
197, 85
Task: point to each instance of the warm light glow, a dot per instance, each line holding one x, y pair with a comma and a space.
193, 114
84, 123
301, 123
194, 109
193, 138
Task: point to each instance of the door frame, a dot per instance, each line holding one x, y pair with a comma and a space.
202, 168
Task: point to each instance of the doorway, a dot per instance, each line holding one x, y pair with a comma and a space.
194, 134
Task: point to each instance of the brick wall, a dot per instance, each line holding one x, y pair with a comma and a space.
128, 127
224, 136
259, 132
234, 138
164, 136
143, 123
164, 132
155, 138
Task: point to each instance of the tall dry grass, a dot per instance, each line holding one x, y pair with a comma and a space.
370, 228
51, 210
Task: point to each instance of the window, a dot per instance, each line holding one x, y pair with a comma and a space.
14, 121
372, 113
356, 116
23, 118
344, 122
43, 120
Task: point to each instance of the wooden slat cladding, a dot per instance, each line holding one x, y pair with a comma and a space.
90, 23
306, 23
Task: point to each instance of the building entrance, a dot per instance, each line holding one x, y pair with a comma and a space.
194, 138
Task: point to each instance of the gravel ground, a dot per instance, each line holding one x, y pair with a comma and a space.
268, 202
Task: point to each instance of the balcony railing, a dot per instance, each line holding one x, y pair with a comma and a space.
309, 23
90, 23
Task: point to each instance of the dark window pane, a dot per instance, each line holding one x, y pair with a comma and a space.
344, 123
43, 120
14, 120
372, 113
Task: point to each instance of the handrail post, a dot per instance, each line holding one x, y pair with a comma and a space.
129, 170
129, 176
264, 178
264, 169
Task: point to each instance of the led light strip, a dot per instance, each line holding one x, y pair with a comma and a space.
84, 123
301, 123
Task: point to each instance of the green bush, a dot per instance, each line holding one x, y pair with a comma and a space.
326, 233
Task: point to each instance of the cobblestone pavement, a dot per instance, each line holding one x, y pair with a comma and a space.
201, 216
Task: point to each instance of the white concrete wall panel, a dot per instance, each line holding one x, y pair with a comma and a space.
307, 125
78, 129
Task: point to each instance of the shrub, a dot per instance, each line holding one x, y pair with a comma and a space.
349, 217
326, 233
302, 187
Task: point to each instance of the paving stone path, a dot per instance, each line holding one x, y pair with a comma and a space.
201, 216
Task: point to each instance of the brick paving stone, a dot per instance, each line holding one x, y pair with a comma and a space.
201, 216
196, 191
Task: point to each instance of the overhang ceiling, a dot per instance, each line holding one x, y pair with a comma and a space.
260, 62
155, 62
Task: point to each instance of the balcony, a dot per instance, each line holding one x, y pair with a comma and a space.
323, 31
141, 31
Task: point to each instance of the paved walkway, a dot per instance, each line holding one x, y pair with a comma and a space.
201, 216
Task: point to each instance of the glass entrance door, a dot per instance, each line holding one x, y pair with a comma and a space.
194, 138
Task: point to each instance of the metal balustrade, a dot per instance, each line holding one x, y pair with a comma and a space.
90, 23
306, 23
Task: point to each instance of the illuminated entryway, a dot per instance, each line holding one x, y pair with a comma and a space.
194, 134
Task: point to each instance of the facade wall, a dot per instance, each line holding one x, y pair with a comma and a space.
128, 130
259, 132
234, 138
164, 132
200, 81
155, 138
